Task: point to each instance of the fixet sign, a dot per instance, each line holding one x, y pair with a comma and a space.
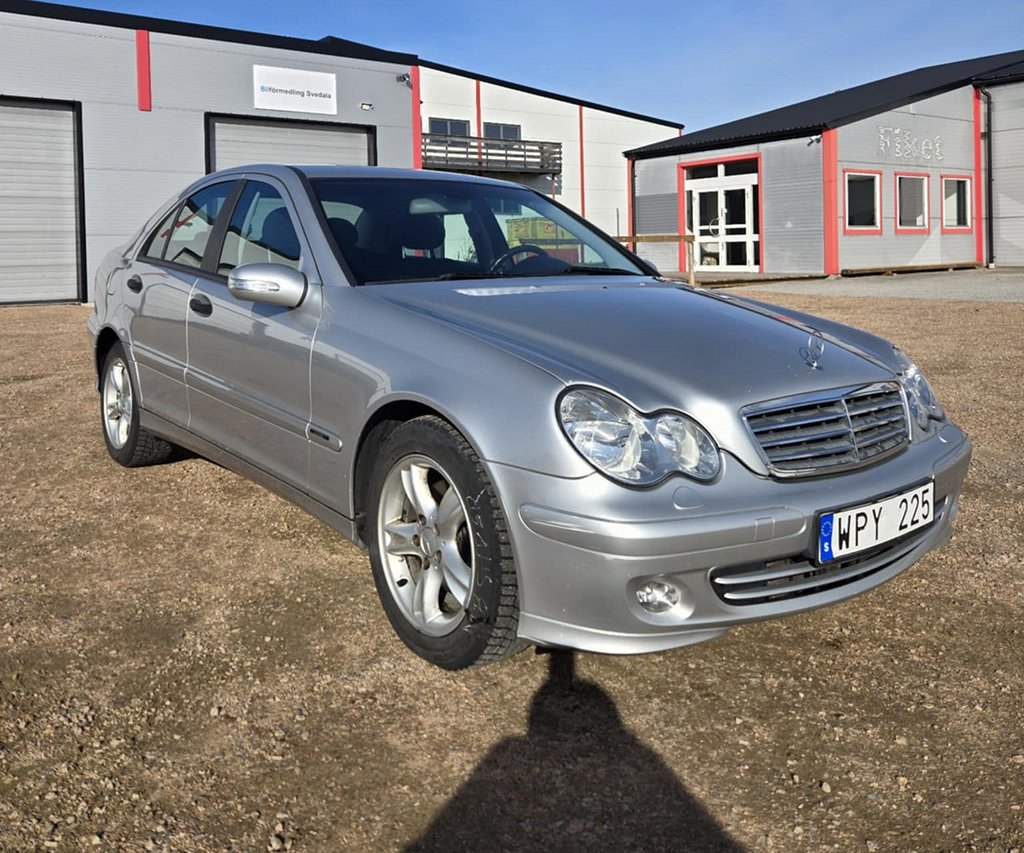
899, 143
294, 90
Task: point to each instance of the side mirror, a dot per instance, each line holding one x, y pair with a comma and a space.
272, 284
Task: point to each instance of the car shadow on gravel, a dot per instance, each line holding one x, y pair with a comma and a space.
577, 780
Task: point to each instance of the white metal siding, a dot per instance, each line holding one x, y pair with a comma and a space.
546, 119
38, 209
241, 144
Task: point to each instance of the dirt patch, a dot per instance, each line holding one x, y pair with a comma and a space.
190, 663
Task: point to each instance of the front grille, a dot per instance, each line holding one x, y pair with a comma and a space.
780, 580
805, 436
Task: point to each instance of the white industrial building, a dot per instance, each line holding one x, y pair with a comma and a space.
103, 116
919, 170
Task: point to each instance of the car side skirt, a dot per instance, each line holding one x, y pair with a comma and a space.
214, 453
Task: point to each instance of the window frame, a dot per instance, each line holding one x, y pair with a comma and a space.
464, 121
502, 126
862, 230
956, 229
926, 184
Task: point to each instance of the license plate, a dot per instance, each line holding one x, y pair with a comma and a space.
851, 530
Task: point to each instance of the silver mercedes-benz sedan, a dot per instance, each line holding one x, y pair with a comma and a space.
537, 438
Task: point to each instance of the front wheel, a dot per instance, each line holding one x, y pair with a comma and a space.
127, 442
439, 548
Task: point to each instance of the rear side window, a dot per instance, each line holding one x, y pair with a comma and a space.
182, 237
154, 247
261, 231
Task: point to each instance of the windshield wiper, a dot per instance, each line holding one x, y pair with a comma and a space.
448, 276
461, 276
583, 269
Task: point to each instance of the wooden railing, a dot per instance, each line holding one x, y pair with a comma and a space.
476, 154
632, 239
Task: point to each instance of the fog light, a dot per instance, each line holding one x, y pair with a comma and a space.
657, 597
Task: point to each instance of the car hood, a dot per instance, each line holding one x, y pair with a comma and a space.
658, 344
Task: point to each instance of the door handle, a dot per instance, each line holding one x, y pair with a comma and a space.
135, 284
201, 305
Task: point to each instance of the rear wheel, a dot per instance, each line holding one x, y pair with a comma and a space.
439, 548
128, 443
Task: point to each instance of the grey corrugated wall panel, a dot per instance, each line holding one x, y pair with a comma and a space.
133, 160
653, 177
656, 210
38, 212
243, 144
948, 117
793, 199
1008, 174
657, 214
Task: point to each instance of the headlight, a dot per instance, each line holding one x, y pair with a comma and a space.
920, 398
634, 448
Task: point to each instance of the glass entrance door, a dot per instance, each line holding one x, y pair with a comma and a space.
708, 234
723, 214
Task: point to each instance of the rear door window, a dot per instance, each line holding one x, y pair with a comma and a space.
190, 228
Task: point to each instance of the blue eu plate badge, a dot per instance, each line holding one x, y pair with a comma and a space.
825, 539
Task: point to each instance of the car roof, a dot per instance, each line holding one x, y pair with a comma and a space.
374, 172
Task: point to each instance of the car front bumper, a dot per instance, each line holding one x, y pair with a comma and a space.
583, 546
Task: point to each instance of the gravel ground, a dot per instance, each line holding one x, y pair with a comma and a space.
998, 285
189, 663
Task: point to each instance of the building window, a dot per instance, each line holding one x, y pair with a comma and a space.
449, 126
956, 203
502, 131
912, 203
863, 202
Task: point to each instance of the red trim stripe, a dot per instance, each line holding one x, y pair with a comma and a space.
830, 214
142, 70
479, 117
417, 119
681, 215
976, 214
583, 172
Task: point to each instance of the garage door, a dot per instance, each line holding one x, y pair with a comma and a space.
39, 252
239, 143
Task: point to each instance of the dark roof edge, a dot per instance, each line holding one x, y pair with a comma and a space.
985, 82
99, 17
328, 46
642, 154
715, 145
530, 90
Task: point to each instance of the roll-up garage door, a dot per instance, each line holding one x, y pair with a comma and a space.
39, 234
236, 142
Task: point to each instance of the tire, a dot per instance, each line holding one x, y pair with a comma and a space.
439, 548
128, 443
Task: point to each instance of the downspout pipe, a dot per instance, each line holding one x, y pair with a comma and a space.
631, 225
990, 243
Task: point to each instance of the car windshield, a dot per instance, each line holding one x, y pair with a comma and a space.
393, 230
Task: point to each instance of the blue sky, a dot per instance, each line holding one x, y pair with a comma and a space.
698, 63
